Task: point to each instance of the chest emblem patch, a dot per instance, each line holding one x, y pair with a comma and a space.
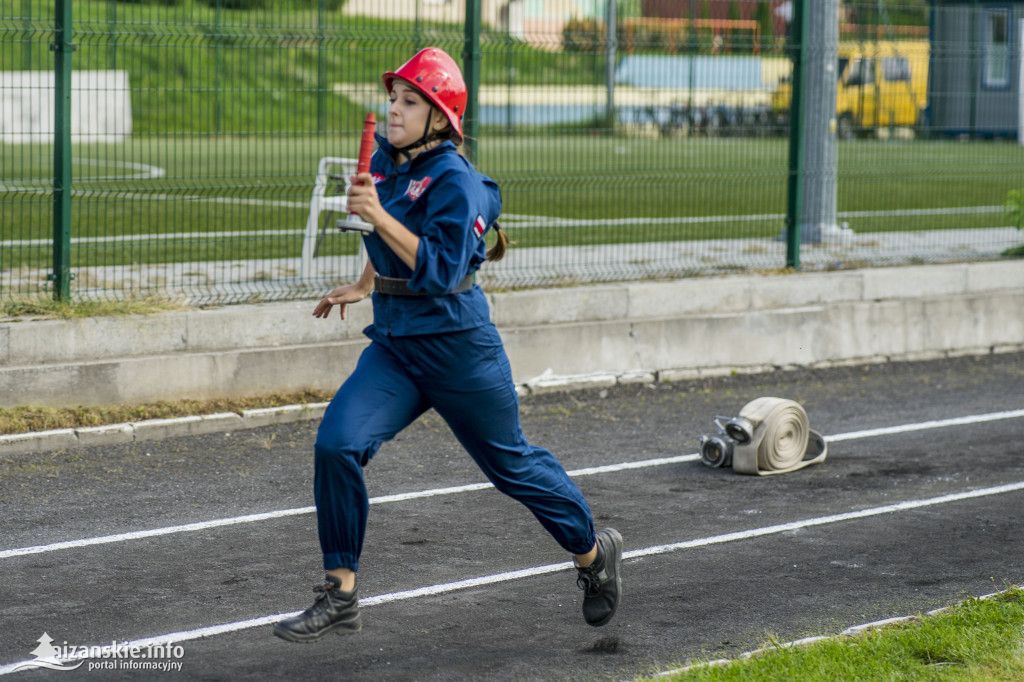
416, 187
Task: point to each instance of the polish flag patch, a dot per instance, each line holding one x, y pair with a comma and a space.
479, 226
416, 188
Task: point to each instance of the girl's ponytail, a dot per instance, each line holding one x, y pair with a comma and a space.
497, 252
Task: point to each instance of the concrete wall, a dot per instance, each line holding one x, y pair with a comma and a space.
595, 334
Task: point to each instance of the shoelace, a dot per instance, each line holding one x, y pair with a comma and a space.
588, 582
321, 597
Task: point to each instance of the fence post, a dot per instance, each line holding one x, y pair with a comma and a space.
794, 194
26, 13
612, 44
1020, 82
112, 34
818, 210
471, 67
321, 69
62, 49
218, 68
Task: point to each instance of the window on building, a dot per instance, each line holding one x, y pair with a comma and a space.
862, 72
896, 69
997, 48
843, 61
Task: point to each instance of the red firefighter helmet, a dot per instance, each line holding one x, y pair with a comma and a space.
437, 76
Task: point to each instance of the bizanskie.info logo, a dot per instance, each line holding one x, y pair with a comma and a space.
113, 656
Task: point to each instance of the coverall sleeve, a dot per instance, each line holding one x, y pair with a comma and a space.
447, 239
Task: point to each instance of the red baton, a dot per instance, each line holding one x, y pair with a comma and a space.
354, 221
366, 144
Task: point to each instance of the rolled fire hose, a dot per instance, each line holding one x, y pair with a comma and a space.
781, 440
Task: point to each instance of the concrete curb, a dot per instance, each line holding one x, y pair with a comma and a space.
546, 383
557, 340
735, 323
155, 429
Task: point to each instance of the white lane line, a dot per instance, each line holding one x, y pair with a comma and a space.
436, 492
140, 534
443, 588
823, 520
266, 516
924, 426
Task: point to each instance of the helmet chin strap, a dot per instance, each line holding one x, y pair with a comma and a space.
424, 140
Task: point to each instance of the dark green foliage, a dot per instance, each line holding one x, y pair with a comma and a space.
329, 5
892, 12
733, 12
763, 17
584, 35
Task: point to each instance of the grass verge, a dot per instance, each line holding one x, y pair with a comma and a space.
47, 309
34, 418
979, 639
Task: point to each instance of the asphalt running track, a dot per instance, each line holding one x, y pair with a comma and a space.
200, 543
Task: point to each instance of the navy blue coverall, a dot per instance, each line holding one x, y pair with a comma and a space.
436, 351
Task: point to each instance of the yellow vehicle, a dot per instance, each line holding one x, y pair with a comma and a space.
881, 84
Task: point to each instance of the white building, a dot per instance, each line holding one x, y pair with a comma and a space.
539, 22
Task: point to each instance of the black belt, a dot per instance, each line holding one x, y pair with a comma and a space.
395, 286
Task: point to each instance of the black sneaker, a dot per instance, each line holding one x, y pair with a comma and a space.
601, 581
333, 610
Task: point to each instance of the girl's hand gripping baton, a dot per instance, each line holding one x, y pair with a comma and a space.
353, 221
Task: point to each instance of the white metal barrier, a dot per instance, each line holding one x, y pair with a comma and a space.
1020, 82
331, 172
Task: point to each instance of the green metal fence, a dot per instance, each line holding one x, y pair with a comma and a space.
187, 148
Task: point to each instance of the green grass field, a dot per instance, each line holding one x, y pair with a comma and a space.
194, 69
226, 106
979, 640
203, 185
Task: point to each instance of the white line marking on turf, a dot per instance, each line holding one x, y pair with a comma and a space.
521, 221
436, 492
443, 588
162, 236
45, 184
518, 221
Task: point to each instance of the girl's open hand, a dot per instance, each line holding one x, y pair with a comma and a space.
340, 296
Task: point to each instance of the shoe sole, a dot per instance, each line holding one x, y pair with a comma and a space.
616, 539
343, 627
